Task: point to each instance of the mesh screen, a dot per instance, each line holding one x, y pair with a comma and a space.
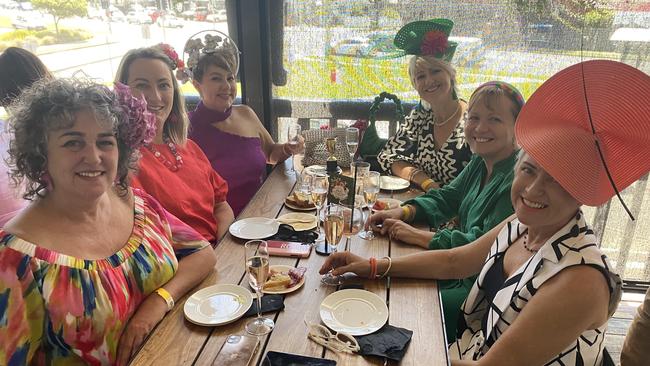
336, 50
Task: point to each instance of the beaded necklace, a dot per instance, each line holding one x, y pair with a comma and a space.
172, 147
526, 245
440, 124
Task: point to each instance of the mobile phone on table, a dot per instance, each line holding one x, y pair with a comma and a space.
283, 248
274, 358
237, 350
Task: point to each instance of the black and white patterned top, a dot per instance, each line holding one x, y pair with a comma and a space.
574, 244
414, 143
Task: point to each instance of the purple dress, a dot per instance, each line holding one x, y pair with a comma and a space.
239, 160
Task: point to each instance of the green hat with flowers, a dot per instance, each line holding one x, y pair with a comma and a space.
427, 38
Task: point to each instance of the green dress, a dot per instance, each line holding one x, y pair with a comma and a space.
478, 208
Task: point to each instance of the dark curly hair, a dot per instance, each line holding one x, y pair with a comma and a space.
51, 105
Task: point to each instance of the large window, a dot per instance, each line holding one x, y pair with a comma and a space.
342, 50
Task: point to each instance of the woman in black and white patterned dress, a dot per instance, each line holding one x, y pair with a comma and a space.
545, 290
429, 149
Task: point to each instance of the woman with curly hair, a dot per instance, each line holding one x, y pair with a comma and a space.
90, 266
173, 169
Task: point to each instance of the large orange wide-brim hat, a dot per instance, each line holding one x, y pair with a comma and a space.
594, 104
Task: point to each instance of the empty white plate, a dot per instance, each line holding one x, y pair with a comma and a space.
392, 183
254, 228
218, 304
355, 312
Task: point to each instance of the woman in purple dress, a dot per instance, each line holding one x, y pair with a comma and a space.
231, 136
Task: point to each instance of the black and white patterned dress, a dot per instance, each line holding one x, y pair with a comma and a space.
574, 244
414, 143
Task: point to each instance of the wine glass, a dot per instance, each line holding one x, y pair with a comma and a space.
352, 224
333, 223
370, 192
352, 140
257, 267
319, 187
293, 139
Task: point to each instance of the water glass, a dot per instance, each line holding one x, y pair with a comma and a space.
257, 268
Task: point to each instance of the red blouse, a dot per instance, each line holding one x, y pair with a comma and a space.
190, 193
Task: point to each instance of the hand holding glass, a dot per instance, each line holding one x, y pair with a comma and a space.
257, 267
352, 222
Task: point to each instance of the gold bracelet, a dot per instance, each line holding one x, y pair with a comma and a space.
427, 182
414, 172
408, 213
390, 263
169, 300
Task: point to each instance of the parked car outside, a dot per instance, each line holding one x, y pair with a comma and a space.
219, 16
380, 45
135, 17
29, 20
187, 14
170, 21
200, 13
116, 15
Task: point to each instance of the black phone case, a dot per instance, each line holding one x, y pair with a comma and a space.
274, 358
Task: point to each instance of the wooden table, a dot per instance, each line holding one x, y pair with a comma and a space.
412, 304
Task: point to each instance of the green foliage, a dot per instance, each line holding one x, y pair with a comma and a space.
599, 18
18, 37
63, 8
60, 9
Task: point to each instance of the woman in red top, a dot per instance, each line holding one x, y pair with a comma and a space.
173, 169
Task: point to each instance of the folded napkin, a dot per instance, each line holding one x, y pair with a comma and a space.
270, 304
389, 342
287, 233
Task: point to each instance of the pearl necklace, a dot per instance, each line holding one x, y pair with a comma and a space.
440, 124
172, 147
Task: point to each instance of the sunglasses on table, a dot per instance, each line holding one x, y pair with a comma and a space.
337, 342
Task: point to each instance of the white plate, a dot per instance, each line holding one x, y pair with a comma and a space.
310, 221
217, 305
320, 169
392, 203
285, 269
293, 207
393, 183
355, 312
254, 228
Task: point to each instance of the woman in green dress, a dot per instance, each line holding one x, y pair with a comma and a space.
479, 197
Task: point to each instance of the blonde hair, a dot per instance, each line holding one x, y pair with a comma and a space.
430, 62
177, 122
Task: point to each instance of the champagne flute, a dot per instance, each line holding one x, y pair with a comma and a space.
370, 192
333, 223
257, 267
293, 139
319, 187
352, 140
352, 224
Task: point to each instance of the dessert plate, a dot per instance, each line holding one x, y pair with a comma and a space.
254, 228
217, 305
285, 269
392, 183
353, 311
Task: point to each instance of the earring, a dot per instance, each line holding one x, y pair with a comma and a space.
46, 180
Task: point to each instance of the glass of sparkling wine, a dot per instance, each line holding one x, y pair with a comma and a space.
352, 224
257, 267
334, 225
319, 187
352, 140
370, 192
293, 138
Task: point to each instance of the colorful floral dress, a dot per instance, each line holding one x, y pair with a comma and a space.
59, 310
